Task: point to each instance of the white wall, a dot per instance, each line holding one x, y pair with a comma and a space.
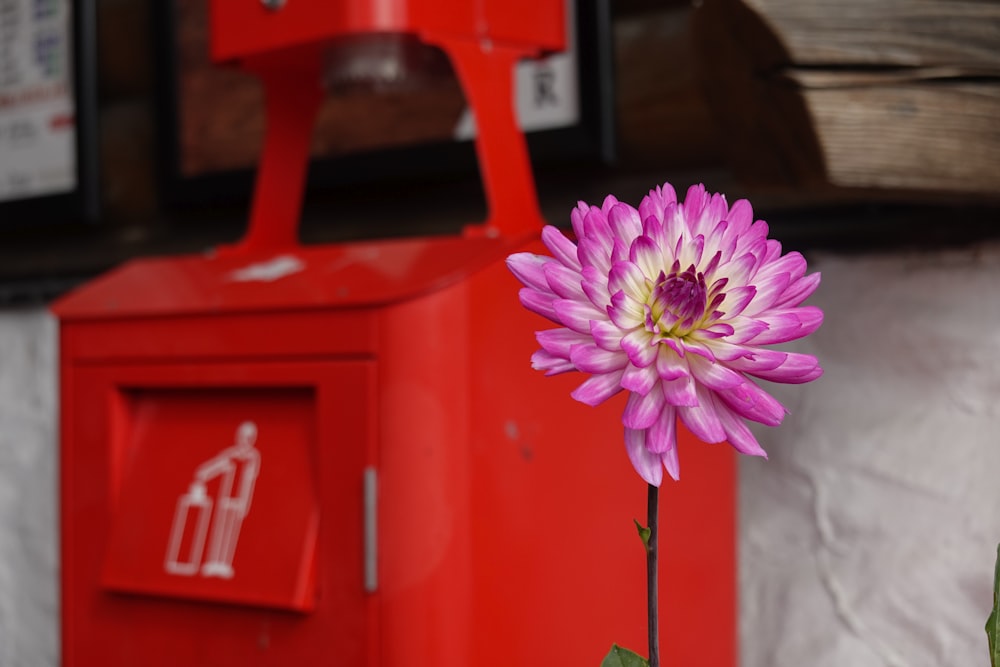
29, 588
867, 540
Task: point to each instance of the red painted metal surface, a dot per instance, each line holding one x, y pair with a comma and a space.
227, 470
504, 508
120, 491
483, 39
247, 29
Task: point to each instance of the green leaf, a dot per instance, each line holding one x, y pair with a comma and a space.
993, 622
643, 533
622, 657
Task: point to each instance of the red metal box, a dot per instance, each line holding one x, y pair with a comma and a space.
340, 456
250, 28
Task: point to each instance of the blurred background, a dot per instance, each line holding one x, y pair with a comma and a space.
866, 134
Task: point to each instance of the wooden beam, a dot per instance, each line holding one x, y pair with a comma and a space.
901, 96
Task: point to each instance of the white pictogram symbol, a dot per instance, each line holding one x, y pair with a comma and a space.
236, 469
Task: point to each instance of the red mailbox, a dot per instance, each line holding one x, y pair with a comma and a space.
338, 455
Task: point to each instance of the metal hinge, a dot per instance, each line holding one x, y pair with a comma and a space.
371, 529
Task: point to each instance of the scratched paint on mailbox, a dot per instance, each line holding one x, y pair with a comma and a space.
198, 515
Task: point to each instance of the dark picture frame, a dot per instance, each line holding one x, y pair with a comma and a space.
81, 202
185, 74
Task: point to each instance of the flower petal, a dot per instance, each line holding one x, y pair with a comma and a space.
722, 245
798, 291
619, 252
626, 312
527, 267
577, 216
740, 216
595, 286
551, 363
606, 335
670, 366
662, 435
564, 250
646, 463
713, 375
796, 369
652, 227
538, 303
692, 251
597, 229
698, 347
639, 379
703, 423
592, 359
628, 278
751, 402
768, 291
772, 251
695, 201
595, 224
794, 264
702, 418
648, 258
672, 463
728, 351
717, 330
757, 359
738, 434
786, 325
641, 411
598, 388
609, 203
559, 341
593, 253
737, 299
625, 222
745, 329
564, 282
640, 348
654, 203
740, 269
680, 391
755, 238
675, 231
576, 314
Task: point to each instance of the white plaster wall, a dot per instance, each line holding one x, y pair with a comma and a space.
29, 588
867, 540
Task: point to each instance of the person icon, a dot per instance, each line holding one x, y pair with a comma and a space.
235, 469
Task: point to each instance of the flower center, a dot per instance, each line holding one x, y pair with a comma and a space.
678, 301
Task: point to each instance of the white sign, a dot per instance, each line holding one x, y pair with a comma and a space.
37, 124
546, 91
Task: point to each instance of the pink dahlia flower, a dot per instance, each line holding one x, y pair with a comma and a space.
674, 303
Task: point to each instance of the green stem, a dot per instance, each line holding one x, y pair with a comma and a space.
652, 506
